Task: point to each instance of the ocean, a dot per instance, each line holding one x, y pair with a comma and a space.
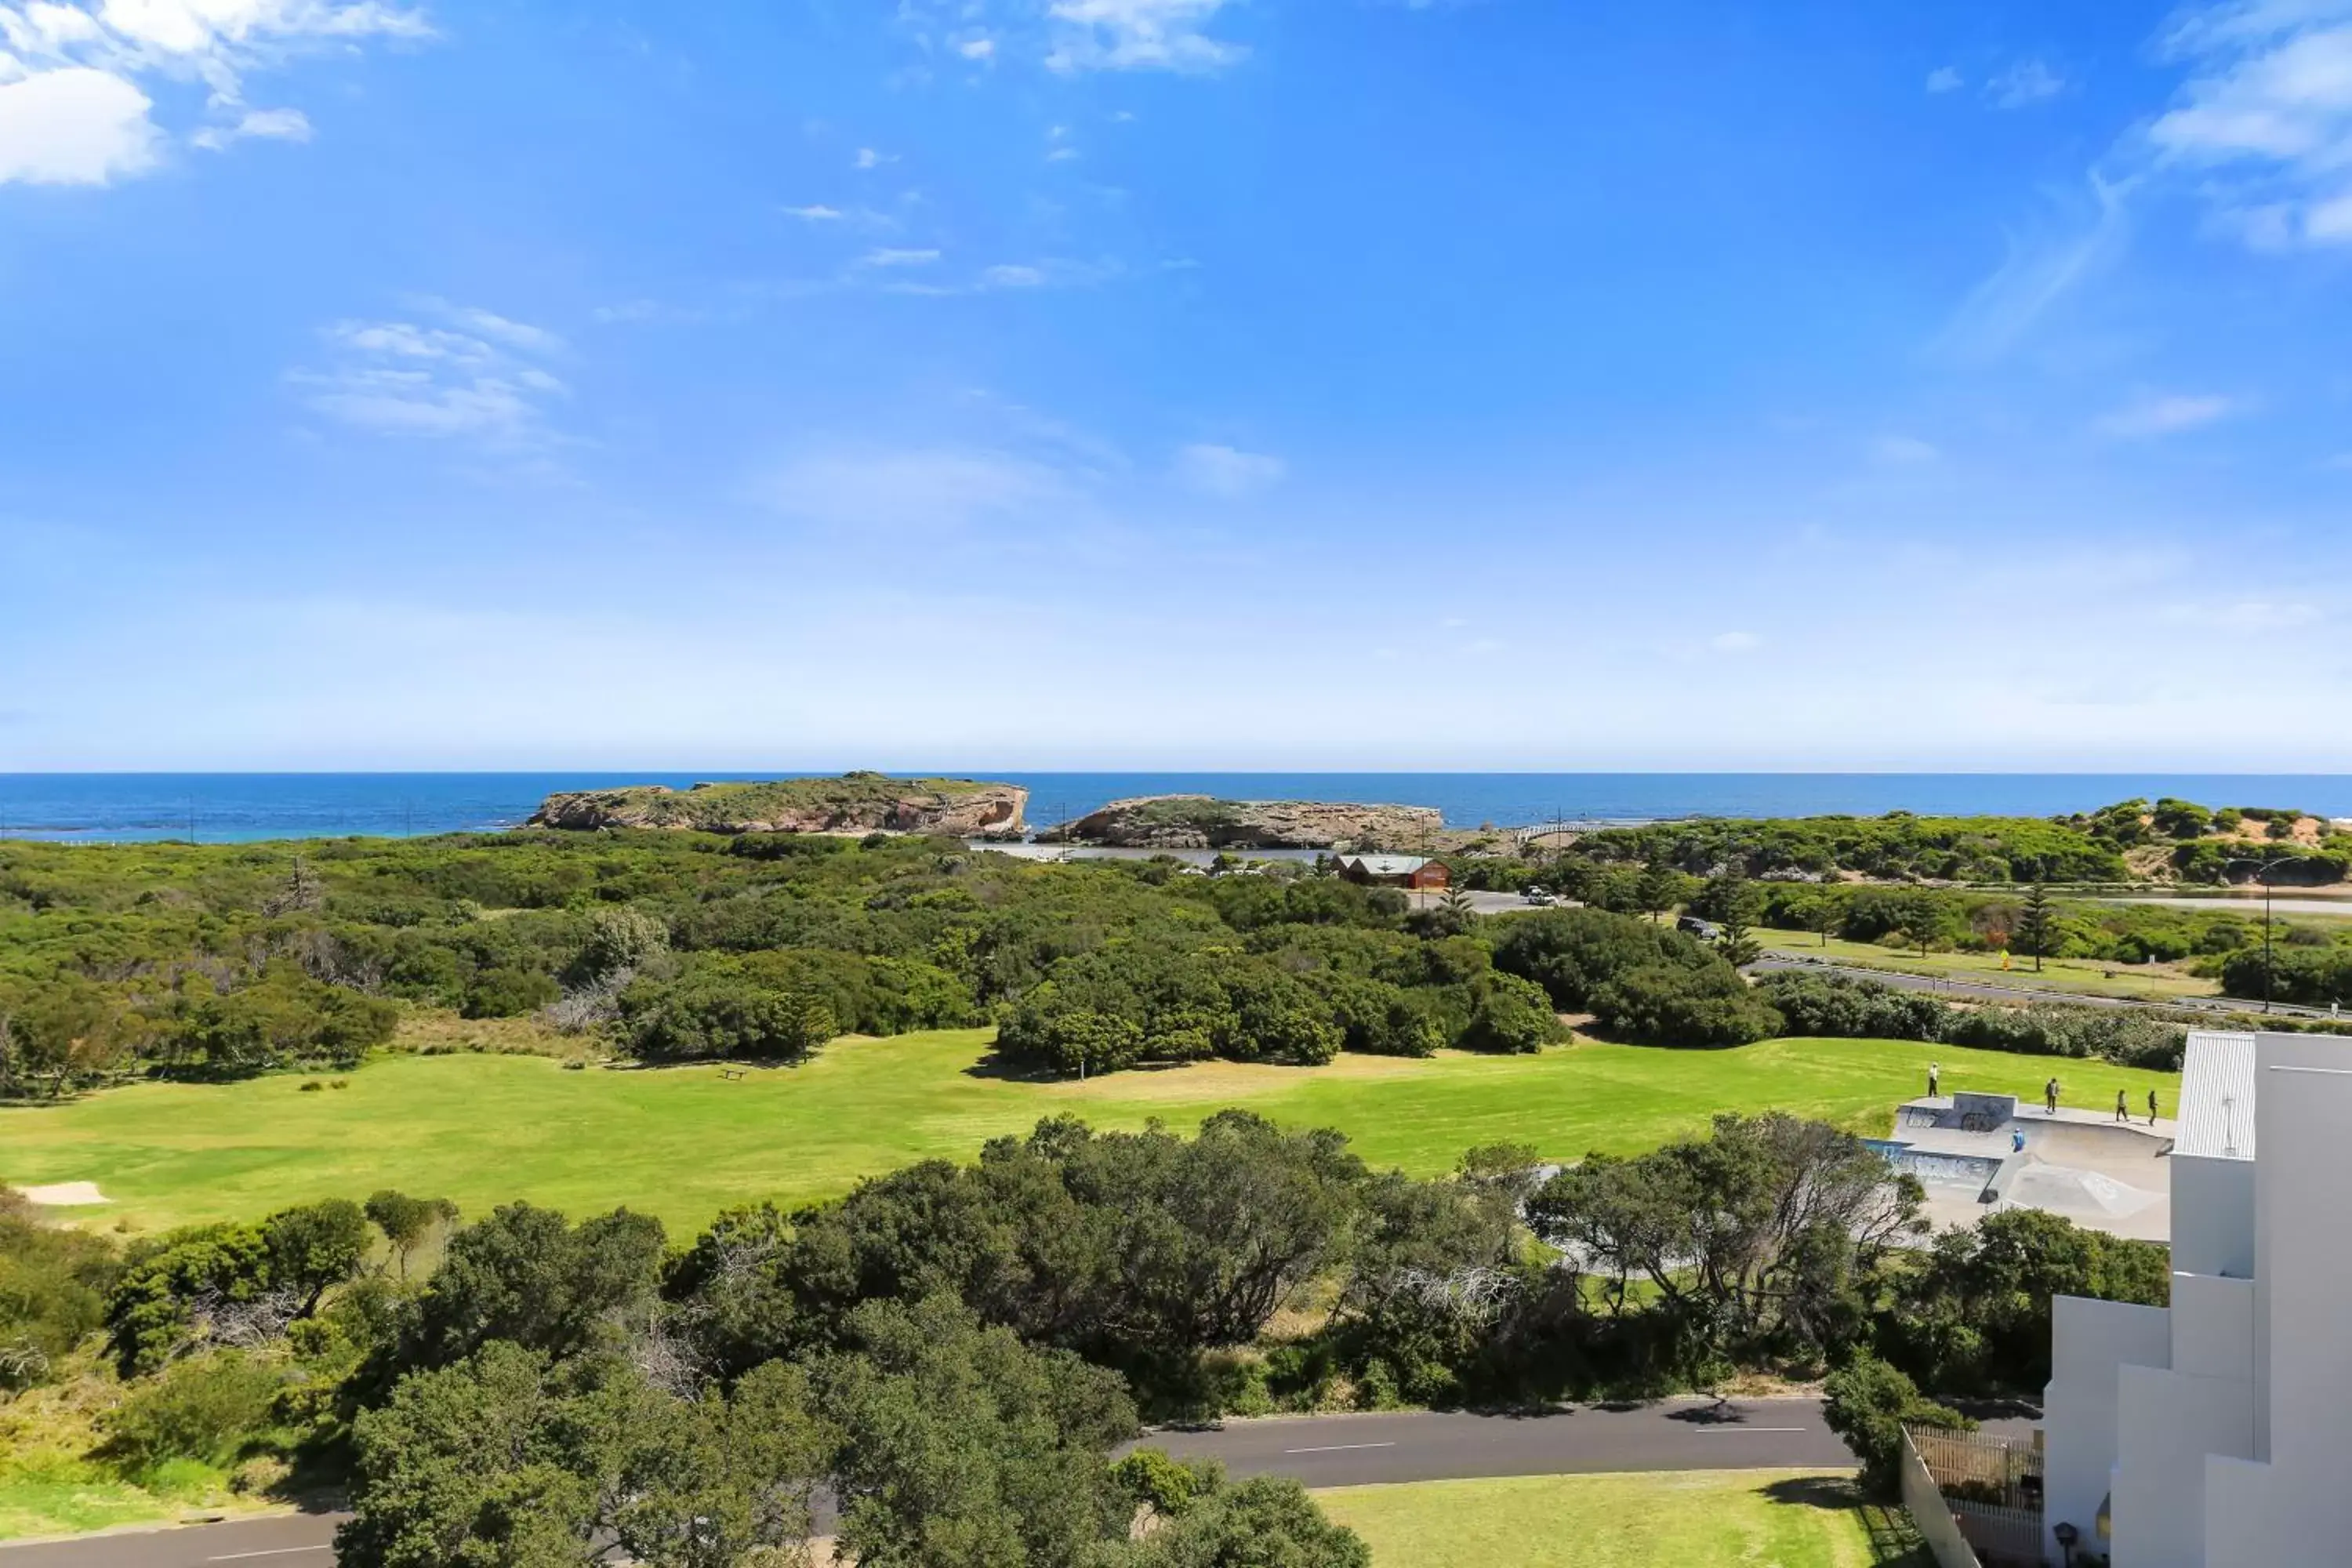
242, 807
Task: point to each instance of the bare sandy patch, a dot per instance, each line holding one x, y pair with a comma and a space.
66, 1195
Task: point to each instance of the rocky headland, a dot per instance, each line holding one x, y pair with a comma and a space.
855, 803
1203, 822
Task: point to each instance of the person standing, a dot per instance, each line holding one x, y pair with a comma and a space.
1934, 1074
2151, 1107
2123, 1112
2050, 1097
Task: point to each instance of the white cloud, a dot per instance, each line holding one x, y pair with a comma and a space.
918, 487
409, 378
1943, 78
266, 124
2026, 82
73, 126
977, 48
814, 213
1013, 277
1905, 449
1735, 642
1227, 473
1137, 35
72, 109
2166, 415
889, 257
2267, 115
868, 158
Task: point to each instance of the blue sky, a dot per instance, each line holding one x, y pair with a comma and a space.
1175, 383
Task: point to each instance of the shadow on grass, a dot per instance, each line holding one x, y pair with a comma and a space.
1893, 1543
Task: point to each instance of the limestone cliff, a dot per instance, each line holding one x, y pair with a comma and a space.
855, 803
1202, 822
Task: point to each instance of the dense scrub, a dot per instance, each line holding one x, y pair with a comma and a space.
2196, 844
218, 961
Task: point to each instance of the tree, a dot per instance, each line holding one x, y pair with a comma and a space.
524, 1274
2036, 928
504, 1461
962, 1448
313, 1248
1658, 890
1869, 1403
405, 1221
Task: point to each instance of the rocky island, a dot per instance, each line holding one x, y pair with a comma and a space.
1203, 822
854, 802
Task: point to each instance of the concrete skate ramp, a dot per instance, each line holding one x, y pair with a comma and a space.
2087, 1197
2116, 1145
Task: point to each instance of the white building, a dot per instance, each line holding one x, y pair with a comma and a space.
2214, 1433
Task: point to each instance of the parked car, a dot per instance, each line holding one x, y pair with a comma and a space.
1705, 931
1537, 895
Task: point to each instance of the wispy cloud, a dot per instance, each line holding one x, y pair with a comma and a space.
2166, 415
2028, 82
262, 124
889, 256
868, 158
2247, 616
816, 213
1735, 642
2266, 114
2080, 233
476, 378
1227, 473
72, 110
1137, 35
1943, 78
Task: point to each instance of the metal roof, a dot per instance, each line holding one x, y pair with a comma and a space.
2217, 1097
1386, 865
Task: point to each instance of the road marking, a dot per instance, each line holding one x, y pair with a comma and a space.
273, 1551
1743, 1431
1340, 1448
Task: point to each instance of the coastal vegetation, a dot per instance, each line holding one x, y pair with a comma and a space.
956, 1346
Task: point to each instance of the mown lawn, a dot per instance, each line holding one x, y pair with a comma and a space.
2082, 977
684, 1142
1761, 1518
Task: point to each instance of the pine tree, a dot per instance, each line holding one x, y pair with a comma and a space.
2036, 928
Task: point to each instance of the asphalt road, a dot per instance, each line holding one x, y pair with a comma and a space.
1320, 1451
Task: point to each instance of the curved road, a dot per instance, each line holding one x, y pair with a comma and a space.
1321, 1450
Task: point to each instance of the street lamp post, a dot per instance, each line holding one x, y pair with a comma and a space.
2262, 874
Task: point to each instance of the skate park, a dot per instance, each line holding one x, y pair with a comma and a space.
1979, 1154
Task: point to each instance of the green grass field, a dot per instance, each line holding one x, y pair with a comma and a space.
2155, 983
1765, 1519
684, 1143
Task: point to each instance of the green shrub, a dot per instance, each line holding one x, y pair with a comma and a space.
208, 1409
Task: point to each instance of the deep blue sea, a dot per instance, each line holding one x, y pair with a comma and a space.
229, 807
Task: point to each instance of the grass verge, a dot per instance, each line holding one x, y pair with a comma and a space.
1772, 1518
2079, 976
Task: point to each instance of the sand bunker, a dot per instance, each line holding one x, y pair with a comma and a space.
66, 1195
